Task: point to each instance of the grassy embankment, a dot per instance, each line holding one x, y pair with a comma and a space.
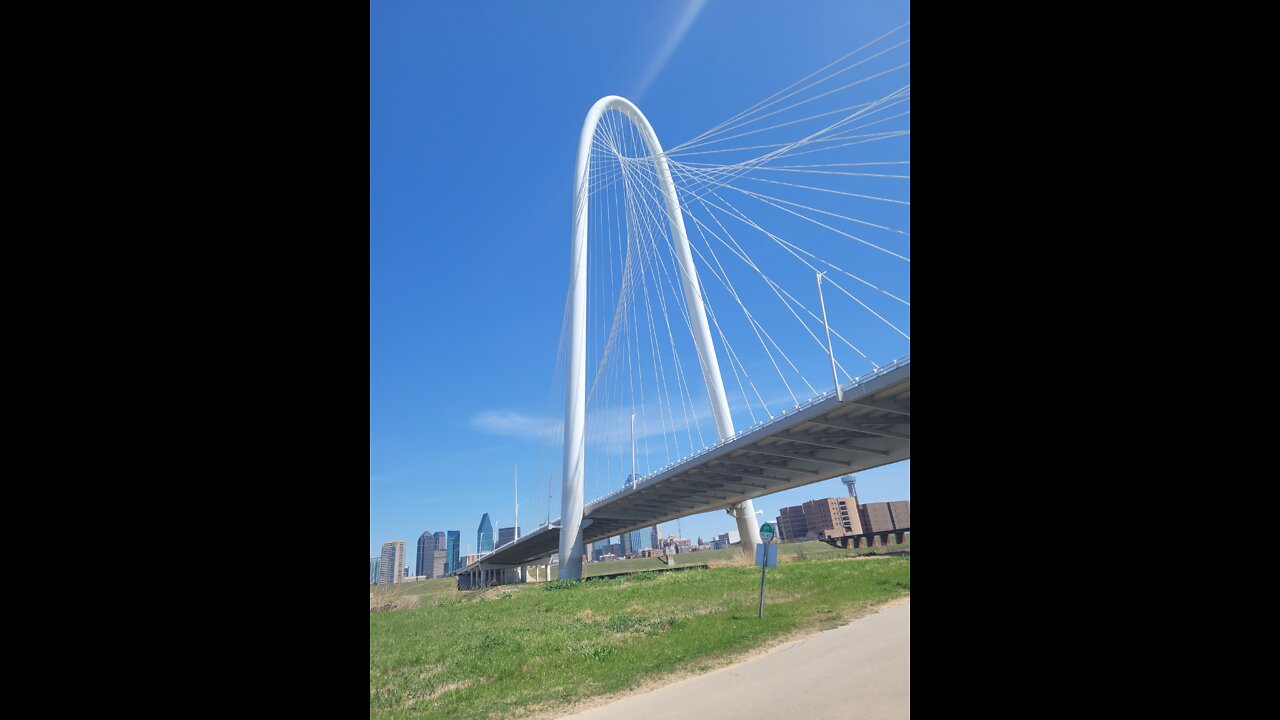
521, 649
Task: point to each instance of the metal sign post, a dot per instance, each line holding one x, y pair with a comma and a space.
766, 555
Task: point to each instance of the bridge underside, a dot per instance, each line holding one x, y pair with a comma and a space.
823, 439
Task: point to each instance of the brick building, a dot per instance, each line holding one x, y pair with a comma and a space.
835, 517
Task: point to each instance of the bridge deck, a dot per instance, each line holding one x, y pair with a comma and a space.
816, 441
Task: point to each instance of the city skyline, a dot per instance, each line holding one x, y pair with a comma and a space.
874, 486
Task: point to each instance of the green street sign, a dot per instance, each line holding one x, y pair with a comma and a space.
766, 533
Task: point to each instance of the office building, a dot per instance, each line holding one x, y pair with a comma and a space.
438, 561
655, 537
838, 516
507, 535
626, 544
835, 517
426, 546
777, 528
599, 548
391, 565
373, 571
791, 520
829, 516
439, 538
453, 539
730, 538
900, 513
484, 535
879, 517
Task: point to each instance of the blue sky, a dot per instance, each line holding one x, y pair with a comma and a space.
475, 111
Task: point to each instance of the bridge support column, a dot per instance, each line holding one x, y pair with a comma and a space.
899, 537
744, 513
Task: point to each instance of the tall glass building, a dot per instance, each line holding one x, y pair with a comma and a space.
484, 535
454, 538
600, 547
426, 546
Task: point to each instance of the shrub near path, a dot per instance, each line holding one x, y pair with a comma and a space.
529, 649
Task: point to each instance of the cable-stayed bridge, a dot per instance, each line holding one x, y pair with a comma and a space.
821, 439
731, 259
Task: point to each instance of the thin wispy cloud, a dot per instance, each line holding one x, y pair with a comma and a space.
509, 423
604, 428
668, 47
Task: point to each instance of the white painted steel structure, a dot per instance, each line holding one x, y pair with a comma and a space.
866, 426
754, 163
571, 547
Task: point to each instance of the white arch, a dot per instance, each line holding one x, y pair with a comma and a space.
576, 383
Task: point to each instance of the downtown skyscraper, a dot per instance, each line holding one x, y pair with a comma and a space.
426, 546
391, 564
484, 535
452, 559
440, 561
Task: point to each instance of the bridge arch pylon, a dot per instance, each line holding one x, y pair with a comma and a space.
571, 495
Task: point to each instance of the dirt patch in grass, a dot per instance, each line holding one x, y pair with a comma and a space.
429, 670
447, 687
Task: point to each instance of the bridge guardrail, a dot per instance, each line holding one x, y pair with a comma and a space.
865, 377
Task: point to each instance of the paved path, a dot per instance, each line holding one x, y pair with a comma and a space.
861, 670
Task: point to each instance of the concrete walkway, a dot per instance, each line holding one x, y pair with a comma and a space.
861, 670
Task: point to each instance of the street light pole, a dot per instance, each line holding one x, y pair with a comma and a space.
830, 353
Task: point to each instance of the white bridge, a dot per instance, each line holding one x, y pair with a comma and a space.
824, 438
628, 204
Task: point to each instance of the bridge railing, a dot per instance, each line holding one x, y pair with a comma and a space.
865, 377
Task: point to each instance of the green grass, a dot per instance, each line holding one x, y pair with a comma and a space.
518, 649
